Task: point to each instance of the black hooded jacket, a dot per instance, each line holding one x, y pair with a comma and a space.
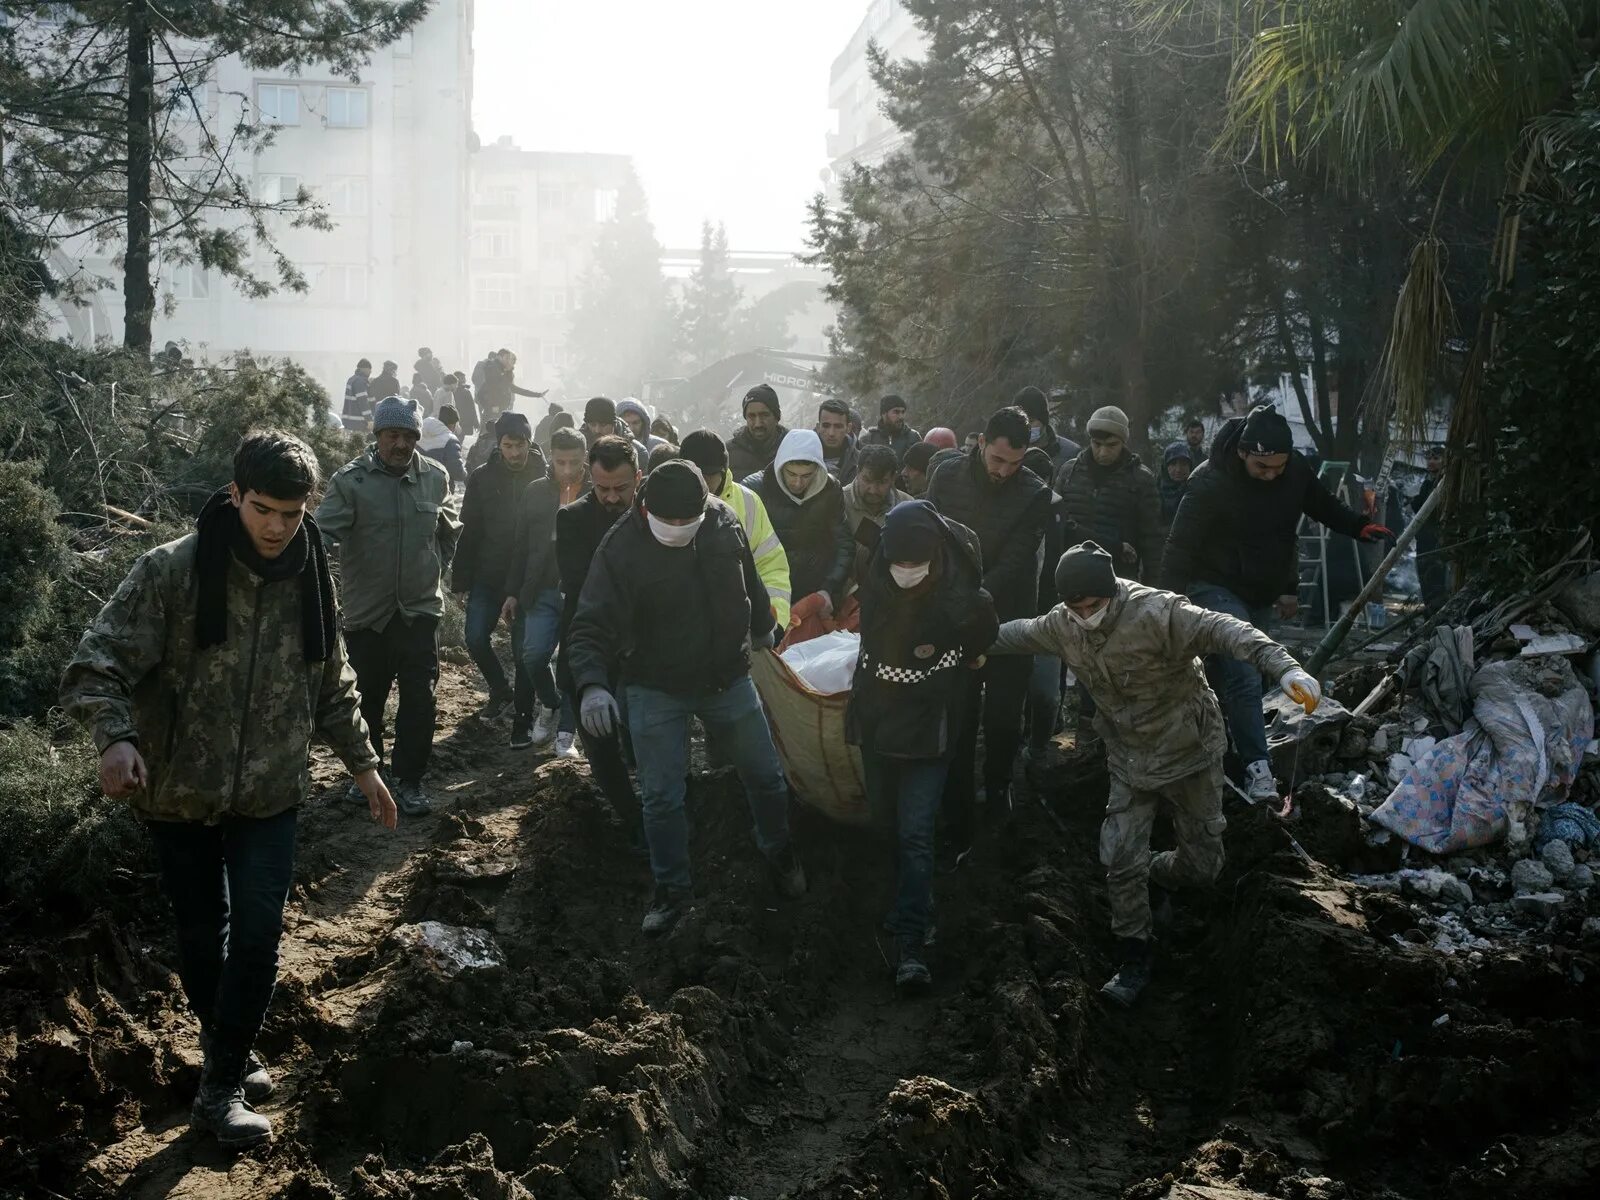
1010, 519
1242, 533
489, 521
815, 536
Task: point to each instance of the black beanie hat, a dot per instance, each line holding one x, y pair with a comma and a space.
911, 532
1085, 571
1266, 432
512, 424
705, 450
600, 411
675, 489
889, 402
1032, 401
920, 454
762, 393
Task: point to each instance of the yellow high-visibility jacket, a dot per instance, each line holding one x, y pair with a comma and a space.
772, 564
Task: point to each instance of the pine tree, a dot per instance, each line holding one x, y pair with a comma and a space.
709, 302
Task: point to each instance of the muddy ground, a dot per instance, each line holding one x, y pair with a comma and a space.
1295, 1043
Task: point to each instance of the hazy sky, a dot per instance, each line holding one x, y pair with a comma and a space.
722, 103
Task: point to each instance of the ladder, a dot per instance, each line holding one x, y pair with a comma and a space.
1313, 550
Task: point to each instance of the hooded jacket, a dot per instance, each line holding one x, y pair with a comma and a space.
747, 457
1141, 664
1242, 534
909, 695
811, 527
489, 521
649, 441
1172, 492
444, 447
678, 620
1112, 506
1010, 519
772, 562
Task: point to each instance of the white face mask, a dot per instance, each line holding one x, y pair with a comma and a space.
1090, 622
909, 577
673, 535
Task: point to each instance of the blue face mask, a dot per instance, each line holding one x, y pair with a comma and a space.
1035, 432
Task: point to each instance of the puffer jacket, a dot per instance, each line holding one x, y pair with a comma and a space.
223, 730
909, 695
1171, 491
1242, 533
531, 568
813, 532
746, 456
489, 520
899, 442
1153, 707
396, 535
1010, 519
1112, 506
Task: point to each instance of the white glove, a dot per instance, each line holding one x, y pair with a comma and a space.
1302, 688
598, 712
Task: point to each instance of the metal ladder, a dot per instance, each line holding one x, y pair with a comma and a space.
1313, 550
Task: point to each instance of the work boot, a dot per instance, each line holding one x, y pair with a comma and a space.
545, 726
669, 904
521, 731
1132, 976
257, 1081
221, 1109
788, 876
911, 974
412, 799
494, 708
1259, 784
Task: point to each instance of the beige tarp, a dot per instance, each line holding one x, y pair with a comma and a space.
823, 769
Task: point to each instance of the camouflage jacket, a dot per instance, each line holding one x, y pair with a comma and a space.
1155, 710
396, 534
223, 730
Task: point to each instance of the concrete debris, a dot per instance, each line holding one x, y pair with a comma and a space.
1530, 875
1557, 858
1539, 904
451, 950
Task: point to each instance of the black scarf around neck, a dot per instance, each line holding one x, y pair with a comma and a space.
222, 534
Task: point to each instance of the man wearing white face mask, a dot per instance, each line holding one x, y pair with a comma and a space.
1137, 650
925, 619
673, 604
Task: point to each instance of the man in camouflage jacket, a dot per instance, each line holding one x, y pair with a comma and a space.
203, 682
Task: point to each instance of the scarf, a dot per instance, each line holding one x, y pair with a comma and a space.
221, 535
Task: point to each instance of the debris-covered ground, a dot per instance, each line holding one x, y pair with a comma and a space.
467, 1010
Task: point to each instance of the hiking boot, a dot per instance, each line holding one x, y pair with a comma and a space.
494, 708
412, 800
1132, 977
221, 1109
521, 732
911, 974
788, 876
669, 904
257, 1082
565, 747
545, 726
1259, 784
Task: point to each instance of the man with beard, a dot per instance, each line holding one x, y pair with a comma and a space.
394, 518
892, 430
756, 445
867, 501
839, 453
1109, 497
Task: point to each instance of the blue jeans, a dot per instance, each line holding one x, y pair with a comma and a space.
659, 724
541, 631
1237, 684
1044, 699
483, 614
913, 786
227, 884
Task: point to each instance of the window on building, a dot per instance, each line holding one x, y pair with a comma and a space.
496, 196
494, 293
346, 195
347, 108
553, 300
347, 283
493, 243
277, 189
278, 103
190, 281
552, 198
605, 204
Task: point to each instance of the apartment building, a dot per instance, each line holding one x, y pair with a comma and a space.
862, 134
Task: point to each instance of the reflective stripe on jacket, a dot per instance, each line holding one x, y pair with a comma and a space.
772, 564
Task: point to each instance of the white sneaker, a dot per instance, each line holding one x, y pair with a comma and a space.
1259, 783
544, 726
564, 746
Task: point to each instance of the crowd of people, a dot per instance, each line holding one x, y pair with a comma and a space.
636, 573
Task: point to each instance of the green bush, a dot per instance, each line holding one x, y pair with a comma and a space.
64, 840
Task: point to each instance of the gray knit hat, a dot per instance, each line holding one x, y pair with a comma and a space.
395, 413
1111, 420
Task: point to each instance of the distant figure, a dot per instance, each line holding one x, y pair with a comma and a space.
441, 443
1176, 465
892, 430
427, 367
358, 390
1194, 433
546, 426
387, 383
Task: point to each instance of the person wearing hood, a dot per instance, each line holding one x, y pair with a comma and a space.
488, 541
440, 443
1110, 497
1177, 463
1041, 434
806, 505
386, 383
600, 420
925, 623
393, 516
1136, 650
891, 429
916, 468
674, 605
705, 449
839, 453
427, 368
867, 502
1234, 548
754, 447
636, 419
546, 426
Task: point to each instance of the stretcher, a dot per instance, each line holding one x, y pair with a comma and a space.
808, 727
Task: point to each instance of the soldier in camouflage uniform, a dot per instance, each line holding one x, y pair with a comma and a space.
203, 682
396, 522
1135, 649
